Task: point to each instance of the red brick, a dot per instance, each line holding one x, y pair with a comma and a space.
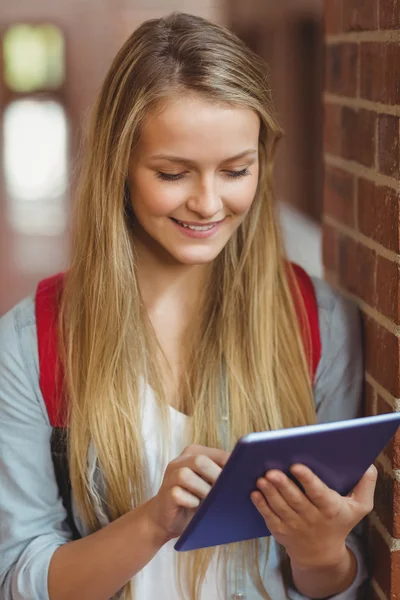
387, 501
383, 407
395, 456
339, 191
395, 572
332, 128
389, 145
378, 214
357, 269
385, 564
380, 72
360, 15
392, 450
380, 557
341, 69
387, 288
371, 71
389, 14
333, 16
369, 400
382, 356
358, 135
330, 248
384, 493
396, 509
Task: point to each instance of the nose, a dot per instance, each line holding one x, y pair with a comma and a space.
206, 200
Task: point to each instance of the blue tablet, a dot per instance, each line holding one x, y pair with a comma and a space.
339, 453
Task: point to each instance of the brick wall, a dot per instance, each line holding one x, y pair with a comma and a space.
361, 225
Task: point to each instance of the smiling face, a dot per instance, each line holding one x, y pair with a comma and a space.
193, 177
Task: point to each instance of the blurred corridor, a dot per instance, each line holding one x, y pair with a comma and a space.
54, 56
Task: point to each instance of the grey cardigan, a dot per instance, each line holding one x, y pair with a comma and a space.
32, 516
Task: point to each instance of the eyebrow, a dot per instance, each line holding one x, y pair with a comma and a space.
178, 159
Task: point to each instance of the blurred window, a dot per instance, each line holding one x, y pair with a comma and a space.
35, 126
33, 58
35, 166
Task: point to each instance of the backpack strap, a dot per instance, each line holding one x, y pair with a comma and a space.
47, 302
309, 329
51, 378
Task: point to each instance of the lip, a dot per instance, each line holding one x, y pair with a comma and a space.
198, 234
197, 224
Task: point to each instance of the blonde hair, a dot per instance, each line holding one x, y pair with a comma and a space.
250, 358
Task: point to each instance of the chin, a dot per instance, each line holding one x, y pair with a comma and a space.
196, 258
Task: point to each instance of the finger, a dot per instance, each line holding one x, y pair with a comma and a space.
316, 491
363, 493
217, 455
184, 498
200, 464
190, 481
261, 504
275, 500
290, 492
205, 467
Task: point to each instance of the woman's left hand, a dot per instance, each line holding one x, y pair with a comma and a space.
312, 526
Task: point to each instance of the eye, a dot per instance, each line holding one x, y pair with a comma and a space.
235, 174
169, 176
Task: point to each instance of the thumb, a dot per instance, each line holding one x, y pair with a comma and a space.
363, 493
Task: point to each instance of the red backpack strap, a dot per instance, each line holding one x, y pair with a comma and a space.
307, 291
51, 380
51, 377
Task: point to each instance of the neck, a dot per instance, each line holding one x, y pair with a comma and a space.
162, 280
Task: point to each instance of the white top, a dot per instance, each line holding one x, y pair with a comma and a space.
158, 580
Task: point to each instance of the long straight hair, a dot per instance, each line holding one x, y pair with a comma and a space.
250, 359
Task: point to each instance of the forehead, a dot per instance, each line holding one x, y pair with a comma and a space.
195, 128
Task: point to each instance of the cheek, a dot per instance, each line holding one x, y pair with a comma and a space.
241, 196
153, 198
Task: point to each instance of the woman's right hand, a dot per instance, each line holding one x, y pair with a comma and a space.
187, 480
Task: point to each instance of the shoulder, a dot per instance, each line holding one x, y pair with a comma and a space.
19, 362
20, 316
18, 329
329, 299
338, 381
339, 317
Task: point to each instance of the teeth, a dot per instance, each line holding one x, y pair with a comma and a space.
196, 227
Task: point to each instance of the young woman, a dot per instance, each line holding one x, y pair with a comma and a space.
179, 330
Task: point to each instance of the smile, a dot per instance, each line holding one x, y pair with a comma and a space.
198, 230
197, 227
